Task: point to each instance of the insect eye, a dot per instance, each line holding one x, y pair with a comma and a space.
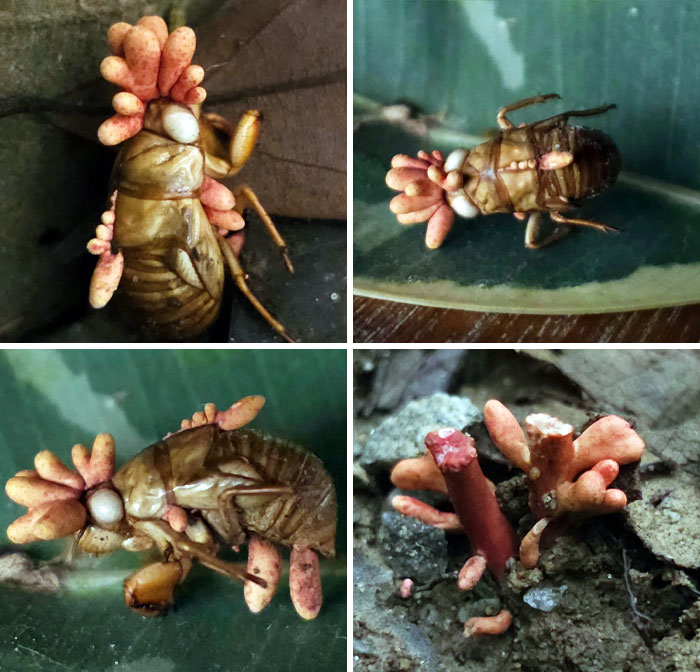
106, 507
180, 124
455, 160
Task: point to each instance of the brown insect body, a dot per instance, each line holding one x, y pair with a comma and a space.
164, 244
495, 186
209, 483
206, 470
173, 267
545, 166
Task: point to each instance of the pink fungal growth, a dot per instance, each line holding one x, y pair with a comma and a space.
477, 512
52, 492
406, 588
146, 64
565, 475
424, 185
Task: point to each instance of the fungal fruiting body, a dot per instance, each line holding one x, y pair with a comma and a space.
210, 482
166, 239
545, 166
564, 475
454, 460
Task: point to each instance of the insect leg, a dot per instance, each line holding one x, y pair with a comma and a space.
505, 123
245, 197
240, 279
149, 591
564, 116
532, 231
242, 137
560, 219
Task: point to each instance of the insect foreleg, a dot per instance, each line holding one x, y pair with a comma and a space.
240, 279
242, 138
149, 591
505, 123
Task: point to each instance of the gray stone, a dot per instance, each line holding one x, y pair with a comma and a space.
402, 434
411, 548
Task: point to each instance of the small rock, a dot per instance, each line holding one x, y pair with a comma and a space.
544, 599
671, 530
402, 434
411, 548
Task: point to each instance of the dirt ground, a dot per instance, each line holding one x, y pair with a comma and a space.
617, 592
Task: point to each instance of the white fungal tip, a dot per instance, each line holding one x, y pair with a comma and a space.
446, 432
106, 507
462, 206
456, 160
180, 124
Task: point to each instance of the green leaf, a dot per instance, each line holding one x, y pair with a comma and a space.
53, 399
456, 63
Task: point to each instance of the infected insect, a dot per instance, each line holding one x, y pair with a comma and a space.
545, 166
166, 240
209, 483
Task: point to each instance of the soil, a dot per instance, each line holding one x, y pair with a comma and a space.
618, 592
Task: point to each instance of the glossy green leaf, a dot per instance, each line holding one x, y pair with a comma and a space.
53, 399
455, 63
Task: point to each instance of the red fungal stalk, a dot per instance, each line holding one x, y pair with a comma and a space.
477, 512
473, 497
565, 476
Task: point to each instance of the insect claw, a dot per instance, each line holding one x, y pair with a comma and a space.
287, 261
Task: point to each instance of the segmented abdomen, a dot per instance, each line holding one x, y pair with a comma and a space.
307, 516
508, 177
153, 295
595, 166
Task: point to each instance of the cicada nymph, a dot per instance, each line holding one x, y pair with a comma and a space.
166, 239
546, 166
207, 484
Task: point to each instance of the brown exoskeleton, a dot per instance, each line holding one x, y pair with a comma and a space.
210, 482
164, 243
545, 166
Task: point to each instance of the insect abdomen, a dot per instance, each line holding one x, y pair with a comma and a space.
307, 517
194, 468
173, 270
595, 166
509, 178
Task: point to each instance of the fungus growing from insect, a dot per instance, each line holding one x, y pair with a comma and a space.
166, 240
545, 166
209, 482
564, 475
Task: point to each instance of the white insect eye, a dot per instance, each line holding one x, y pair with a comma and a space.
455, 160
106, 507
180, 124
462, 205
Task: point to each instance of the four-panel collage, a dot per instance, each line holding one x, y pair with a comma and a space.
247, 248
